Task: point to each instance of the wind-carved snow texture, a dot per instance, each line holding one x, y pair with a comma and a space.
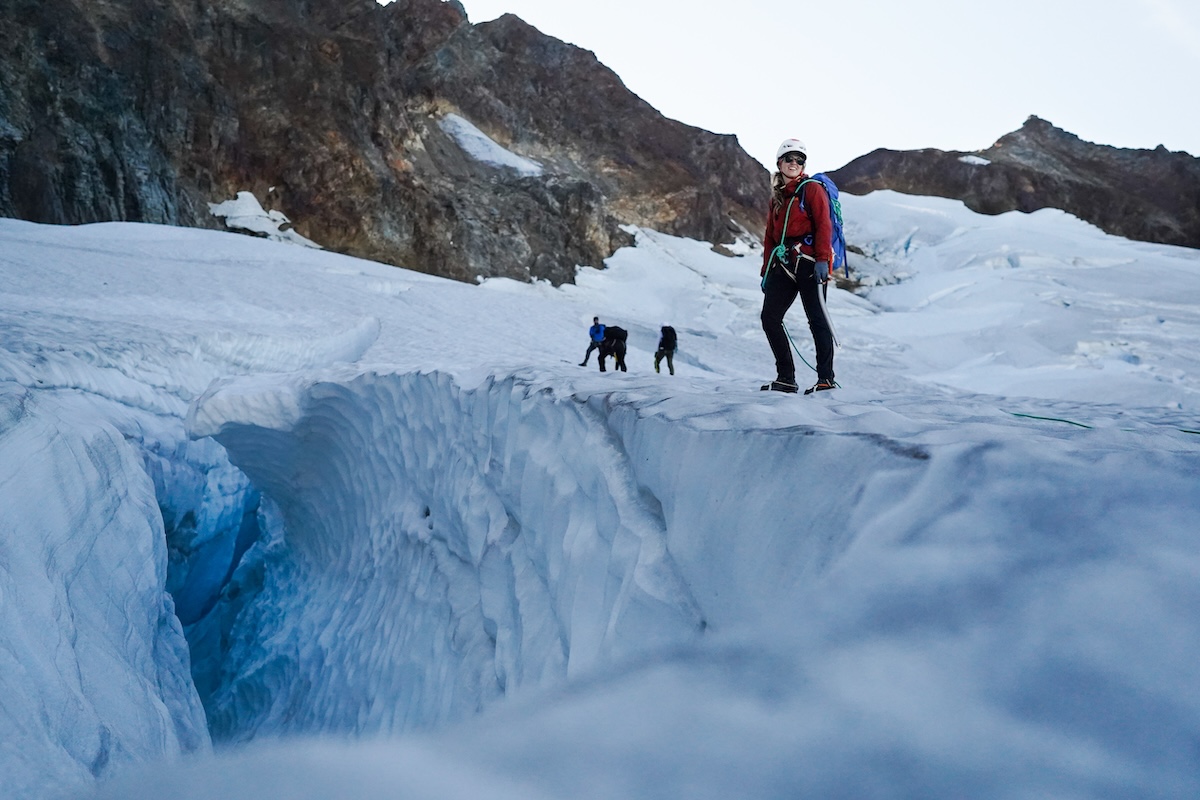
443, 547
81, 594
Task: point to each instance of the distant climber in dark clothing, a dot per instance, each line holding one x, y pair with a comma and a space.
614, 345
596, 336
666, 349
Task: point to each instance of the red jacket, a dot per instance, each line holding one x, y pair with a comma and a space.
815, 240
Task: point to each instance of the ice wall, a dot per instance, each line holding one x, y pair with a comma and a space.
443, 546
93, 662
446, 545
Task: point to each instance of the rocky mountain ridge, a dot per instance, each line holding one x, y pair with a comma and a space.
1148, 195
330, 111
334, 113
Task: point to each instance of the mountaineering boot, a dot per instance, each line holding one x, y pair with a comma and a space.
780, 386
820, 386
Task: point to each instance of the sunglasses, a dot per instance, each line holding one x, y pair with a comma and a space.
793, 158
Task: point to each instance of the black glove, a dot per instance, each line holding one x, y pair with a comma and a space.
821, 271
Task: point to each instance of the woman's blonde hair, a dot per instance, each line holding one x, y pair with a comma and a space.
778, 181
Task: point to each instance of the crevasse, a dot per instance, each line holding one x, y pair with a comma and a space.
444, 546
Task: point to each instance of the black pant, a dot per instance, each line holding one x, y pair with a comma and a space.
662, 353
778, 295
617, 351
592, 345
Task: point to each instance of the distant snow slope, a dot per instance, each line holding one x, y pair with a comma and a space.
391, 502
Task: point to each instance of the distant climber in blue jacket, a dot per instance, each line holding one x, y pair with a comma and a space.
596, 334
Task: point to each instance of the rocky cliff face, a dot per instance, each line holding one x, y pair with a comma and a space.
333, 111
1149, 195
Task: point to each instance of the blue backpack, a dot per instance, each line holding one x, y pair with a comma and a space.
838, 240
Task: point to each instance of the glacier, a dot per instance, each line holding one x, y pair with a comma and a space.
278, 521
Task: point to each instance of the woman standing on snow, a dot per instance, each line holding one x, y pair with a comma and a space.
797, 251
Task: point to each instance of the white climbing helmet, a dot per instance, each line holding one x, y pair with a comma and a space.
791, 146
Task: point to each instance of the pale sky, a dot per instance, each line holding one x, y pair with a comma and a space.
851, 76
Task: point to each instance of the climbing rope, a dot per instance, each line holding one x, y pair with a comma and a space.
780, 252
792, 342
1081, 425
1050, 419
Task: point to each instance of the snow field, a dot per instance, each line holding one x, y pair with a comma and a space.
399, 519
